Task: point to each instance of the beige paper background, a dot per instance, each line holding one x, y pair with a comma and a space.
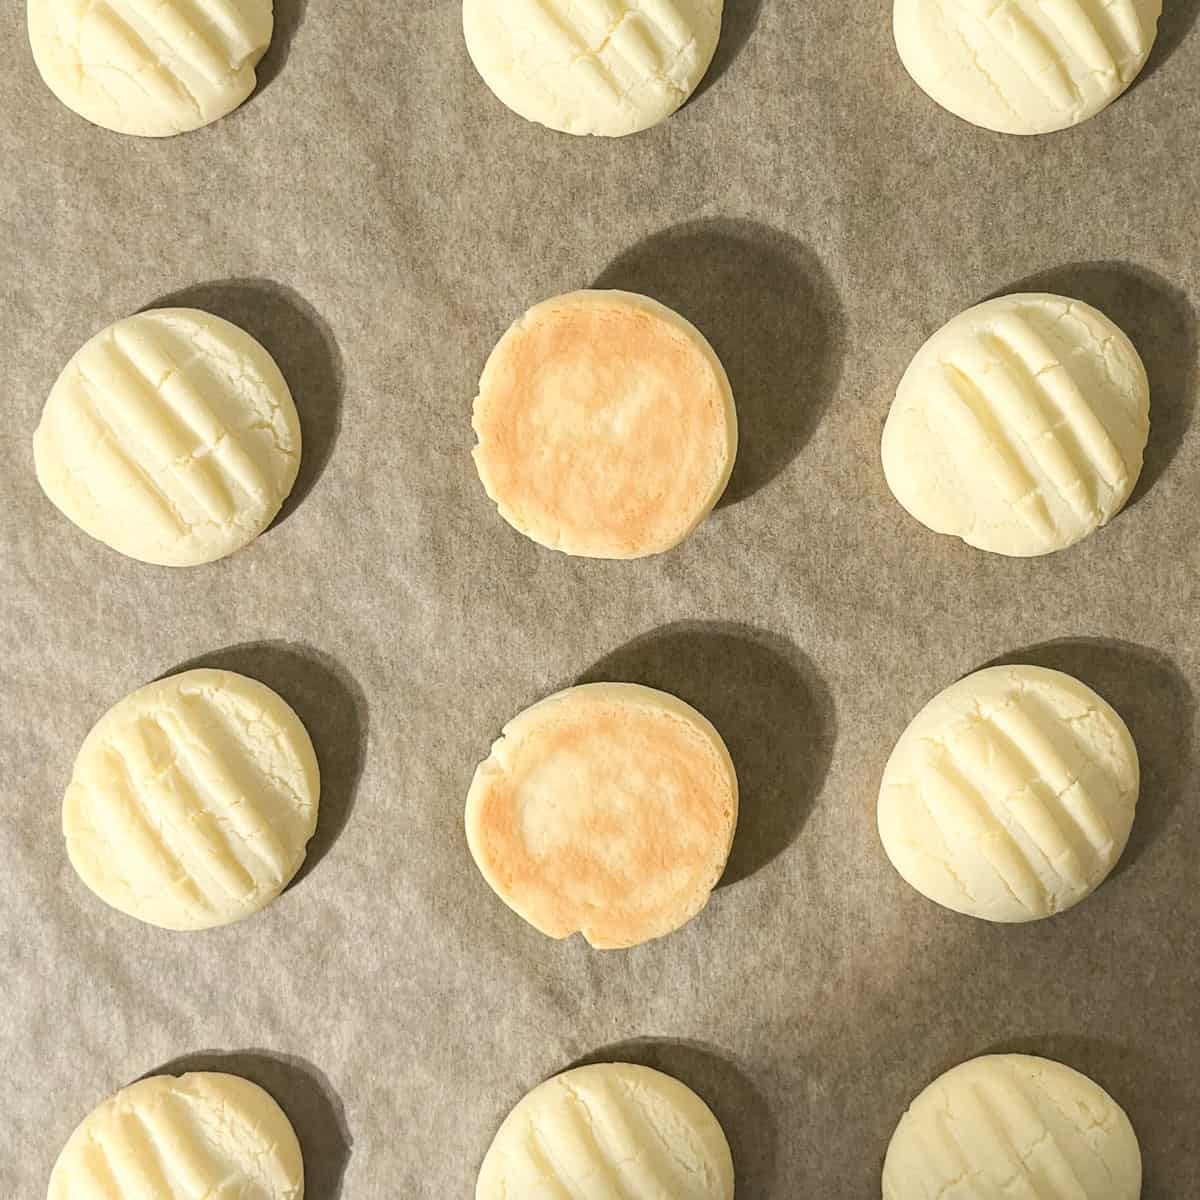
377, 219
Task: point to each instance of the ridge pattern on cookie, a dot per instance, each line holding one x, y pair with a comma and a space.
612, 1131
1025, 66
191, 801
203, 1134
1020, 425
606, 67
1013, 1125
1011, 795
171, 436
150, 67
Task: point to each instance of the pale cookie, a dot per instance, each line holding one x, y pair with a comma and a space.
200, 1135
607, 67
192, 800
171, 437
606, 1131
607, 809
150, 67
1019, 426
1010, 1125
606, 425
1011, 794
1025, 66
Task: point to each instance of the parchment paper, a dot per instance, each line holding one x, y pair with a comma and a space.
377, 219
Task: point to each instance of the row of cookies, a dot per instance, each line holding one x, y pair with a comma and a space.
607, 67
615, 1130
606, 428
607, 809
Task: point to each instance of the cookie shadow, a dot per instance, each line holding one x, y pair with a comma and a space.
1161, 323
770, 310
767, 701
1157, 703
1177, 21
305, 1095
740, 1108
738, 23
303, 345
333, 708
289, 16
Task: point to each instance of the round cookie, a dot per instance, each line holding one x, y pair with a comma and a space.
1025, 66
202, 1134
149, 67
607, 809
609, 1130
171, 436
606, 425
1019, 426
192, 800
607, 67
1011, 794
1013, 1125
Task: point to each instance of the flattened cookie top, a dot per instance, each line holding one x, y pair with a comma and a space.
607, 809
606, 425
